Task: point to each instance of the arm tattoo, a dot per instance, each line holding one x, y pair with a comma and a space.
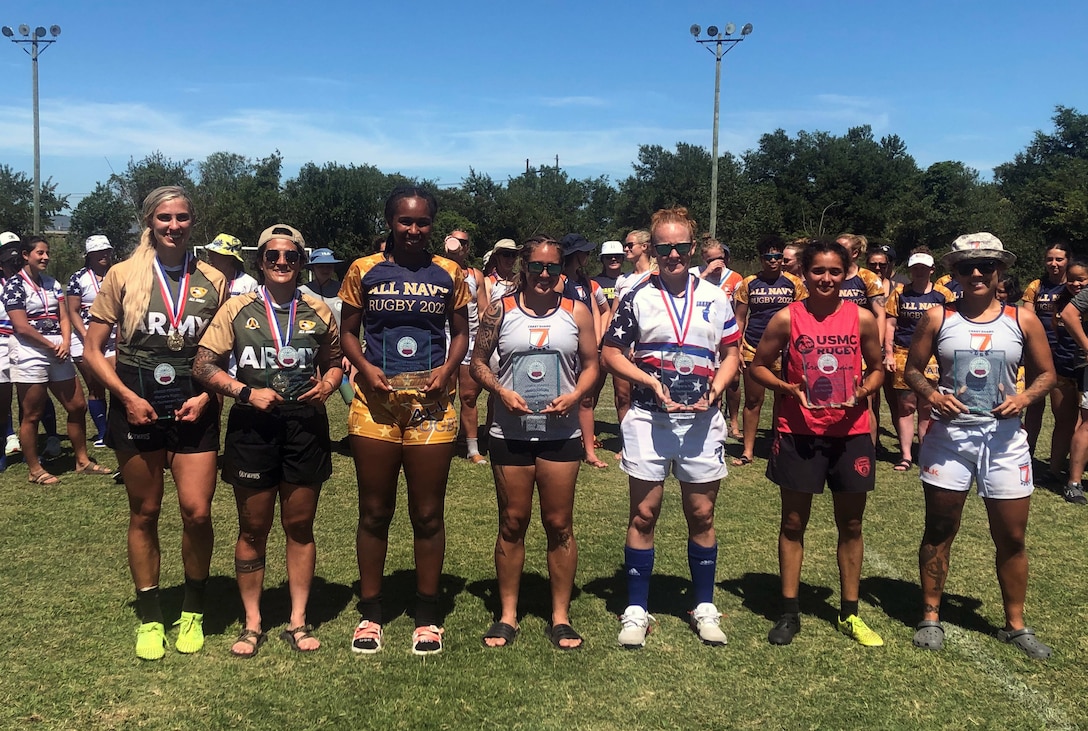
918, 382
879, 303
487, 338
206, 368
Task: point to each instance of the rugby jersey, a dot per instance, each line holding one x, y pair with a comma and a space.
861, 288
909, 307
41, 302
645, 321
6, 327
764, 299
959, 341
399, 303
85, 285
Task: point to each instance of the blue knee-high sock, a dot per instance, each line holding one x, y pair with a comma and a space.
638, 563
49, 418
703, 562
97, 409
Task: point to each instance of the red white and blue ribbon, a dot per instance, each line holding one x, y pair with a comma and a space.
173, 309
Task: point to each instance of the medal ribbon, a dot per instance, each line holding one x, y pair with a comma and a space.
683, 315
40, 291
278, 339
173, 311
94, 282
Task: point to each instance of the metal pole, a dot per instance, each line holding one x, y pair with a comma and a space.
714, 143
37, 143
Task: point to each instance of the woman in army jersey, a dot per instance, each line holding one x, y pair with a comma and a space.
161, 299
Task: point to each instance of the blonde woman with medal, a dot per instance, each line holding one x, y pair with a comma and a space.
547, 354
40, 360
684, 338
403, 415
287, 348
977, 436
832, 357
160, 300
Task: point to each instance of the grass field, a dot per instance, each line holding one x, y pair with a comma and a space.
68, 658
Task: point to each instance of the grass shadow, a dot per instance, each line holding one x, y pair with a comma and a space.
399, 592
534, 596
761, 594
669, 594
902, 601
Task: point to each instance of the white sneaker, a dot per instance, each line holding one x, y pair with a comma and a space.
704, 620
636, 625
12, 446
52, 448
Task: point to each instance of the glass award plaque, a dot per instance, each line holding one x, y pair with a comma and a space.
829, 378
679, 376
163, 389
406, 358
978, 379
290, 382
535, 377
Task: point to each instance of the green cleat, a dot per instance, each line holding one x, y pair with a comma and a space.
191, 635
151, 641
855, 629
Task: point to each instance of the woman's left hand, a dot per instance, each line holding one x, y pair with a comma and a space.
319, 393
561, 404
193, 408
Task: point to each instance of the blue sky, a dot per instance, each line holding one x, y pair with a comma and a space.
431, 89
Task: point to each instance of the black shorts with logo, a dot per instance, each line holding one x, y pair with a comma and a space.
523, 453
179, 437
802, 463
288, 444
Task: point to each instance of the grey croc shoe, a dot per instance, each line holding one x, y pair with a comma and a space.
929, 635
1025, 640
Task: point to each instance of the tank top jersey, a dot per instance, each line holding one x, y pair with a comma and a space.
908, 307
647, 322
41, 302
861, 287
1044, 297
958, 335
837, 335
329, 293
398, 302
85, 285
6, 328
147, 349
523, 332
626, 282
241, 327
586, 291
473, 285
949, 282
764, 299
730, 281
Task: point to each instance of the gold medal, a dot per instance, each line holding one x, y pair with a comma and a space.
174, 340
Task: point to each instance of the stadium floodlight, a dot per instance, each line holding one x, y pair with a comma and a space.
694, 29
37, 43
722, 46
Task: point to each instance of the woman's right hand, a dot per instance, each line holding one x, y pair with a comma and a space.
513, 402
138, 411
370, 377
264, 398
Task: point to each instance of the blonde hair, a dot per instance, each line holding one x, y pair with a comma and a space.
138, 289
858, 244
642, 238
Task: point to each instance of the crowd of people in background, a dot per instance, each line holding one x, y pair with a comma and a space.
412, 337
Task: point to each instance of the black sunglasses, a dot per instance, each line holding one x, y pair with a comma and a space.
772, 257
291, 256
539, 267
985, 267
682, 248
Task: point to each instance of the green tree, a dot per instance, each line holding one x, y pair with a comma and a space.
17, 201
238, 196
141, 177
341, 207
105, 211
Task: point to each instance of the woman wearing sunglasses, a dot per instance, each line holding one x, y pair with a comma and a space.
680, 329
547, 363
160, 300
287, 350
403, 415
976, 435
756, 301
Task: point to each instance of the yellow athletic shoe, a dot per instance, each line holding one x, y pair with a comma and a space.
855, 629
191, 635
151, 641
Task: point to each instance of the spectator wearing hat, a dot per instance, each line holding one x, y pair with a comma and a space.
456, 248
324, 284
976, 435
581, 288
10, 260
225, 254
498, 269
611, 269
82, 289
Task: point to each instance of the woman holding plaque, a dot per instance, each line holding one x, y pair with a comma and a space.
832, 363
680, 328
403, 414
160, 300
287, 349
547, 362
40, 362
976, 435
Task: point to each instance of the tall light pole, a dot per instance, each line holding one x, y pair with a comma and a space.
722, 46
37, 42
